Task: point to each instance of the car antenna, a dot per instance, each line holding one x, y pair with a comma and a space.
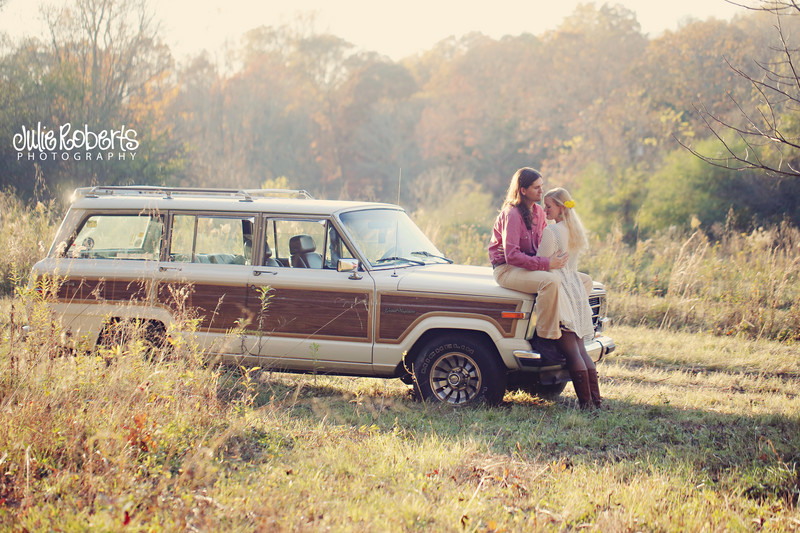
397, 218
399, 181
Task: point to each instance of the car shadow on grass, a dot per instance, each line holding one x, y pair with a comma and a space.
648, 430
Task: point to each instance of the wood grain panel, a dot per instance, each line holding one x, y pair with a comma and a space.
315, 313
399, 313
219, 307
126, 290
101, 290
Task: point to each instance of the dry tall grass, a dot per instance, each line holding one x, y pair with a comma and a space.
734, 284
702, 434
26, 233
127, 427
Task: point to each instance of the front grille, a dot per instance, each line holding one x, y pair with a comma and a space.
595, 303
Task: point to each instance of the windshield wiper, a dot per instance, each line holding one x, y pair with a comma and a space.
395, 258
428, 254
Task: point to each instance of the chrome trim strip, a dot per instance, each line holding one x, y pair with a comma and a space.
528, 360
527, 355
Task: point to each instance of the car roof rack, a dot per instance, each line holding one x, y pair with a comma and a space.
244, 195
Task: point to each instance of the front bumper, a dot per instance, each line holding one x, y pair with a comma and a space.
531, 360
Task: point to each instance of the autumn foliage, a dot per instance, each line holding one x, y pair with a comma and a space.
596, 104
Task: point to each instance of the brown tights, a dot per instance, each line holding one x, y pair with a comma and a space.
572, 347
582, 370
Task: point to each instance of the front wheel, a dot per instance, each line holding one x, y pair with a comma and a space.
459, 370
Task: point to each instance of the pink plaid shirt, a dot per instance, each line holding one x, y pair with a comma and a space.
515, 244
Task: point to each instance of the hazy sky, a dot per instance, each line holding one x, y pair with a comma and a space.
396, 29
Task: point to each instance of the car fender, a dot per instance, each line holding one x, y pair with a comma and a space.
387, 356
82, 323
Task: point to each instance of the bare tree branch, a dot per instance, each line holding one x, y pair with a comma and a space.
764, 142
777, 7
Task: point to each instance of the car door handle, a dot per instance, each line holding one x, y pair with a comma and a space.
259, 272
164, 269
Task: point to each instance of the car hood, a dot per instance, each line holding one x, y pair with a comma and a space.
454, 279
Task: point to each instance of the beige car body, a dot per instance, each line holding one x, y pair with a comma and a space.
256, 304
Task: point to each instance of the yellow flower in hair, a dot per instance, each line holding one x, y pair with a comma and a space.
569, 204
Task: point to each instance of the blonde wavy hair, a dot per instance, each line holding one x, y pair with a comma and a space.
575, 230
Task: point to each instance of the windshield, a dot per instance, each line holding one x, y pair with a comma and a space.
389, 237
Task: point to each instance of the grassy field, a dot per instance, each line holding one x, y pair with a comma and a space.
702, 434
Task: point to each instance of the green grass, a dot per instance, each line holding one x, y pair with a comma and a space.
702, 434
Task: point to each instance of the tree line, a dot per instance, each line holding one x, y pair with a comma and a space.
596, 104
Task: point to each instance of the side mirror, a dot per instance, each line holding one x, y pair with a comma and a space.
348, 265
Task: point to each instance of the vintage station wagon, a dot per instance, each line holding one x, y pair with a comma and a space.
283, 281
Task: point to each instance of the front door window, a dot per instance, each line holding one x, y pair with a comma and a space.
307, 310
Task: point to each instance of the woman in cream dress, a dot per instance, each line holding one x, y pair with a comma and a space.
575, 315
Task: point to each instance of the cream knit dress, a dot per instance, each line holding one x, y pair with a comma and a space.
573, 303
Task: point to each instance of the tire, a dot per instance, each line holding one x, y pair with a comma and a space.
113, 334
156, 335
120, 331
459, 370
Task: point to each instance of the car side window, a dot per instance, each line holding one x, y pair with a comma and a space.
124, 237
337, 249
219, 240
303, 244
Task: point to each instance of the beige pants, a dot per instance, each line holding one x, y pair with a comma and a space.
545, 284
541, 282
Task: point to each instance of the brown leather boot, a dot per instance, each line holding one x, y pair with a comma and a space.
580, 380
594, 387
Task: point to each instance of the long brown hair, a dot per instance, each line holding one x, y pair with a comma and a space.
522, 178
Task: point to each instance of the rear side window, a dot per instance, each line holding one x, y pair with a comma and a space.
212, 239
131, 237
